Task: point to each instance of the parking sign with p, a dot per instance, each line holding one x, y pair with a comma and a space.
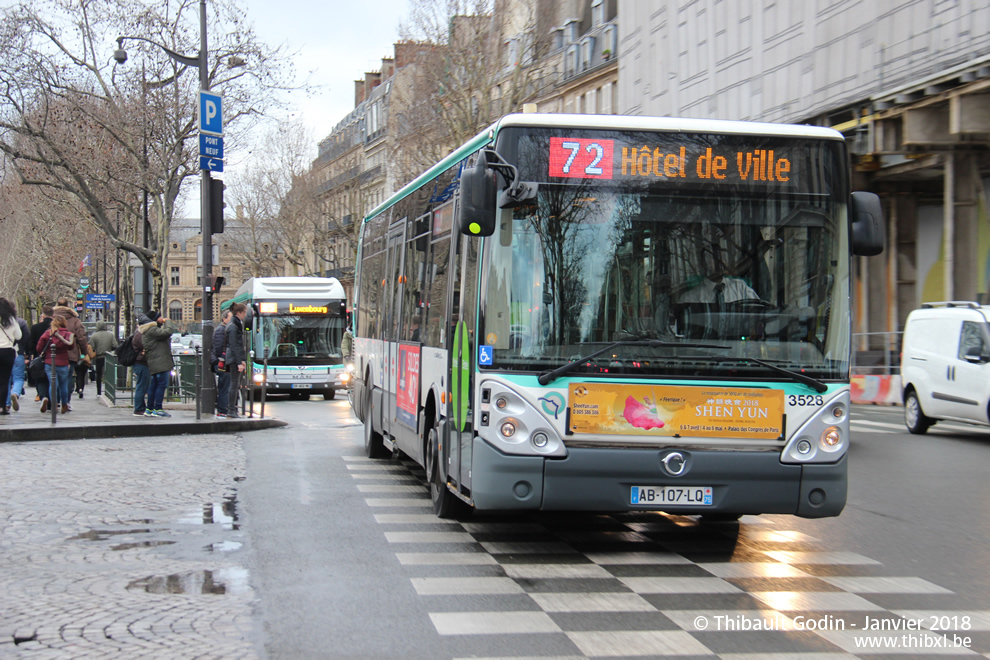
210, 113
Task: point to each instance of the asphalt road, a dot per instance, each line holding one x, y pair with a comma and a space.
337, 544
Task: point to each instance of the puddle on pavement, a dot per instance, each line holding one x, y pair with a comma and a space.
224, 546
223, 581
104, 534
142, 544
215, 513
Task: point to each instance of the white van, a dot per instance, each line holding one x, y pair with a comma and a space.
944, 364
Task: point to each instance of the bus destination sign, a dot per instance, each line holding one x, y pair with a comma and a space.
295, 307
581, 158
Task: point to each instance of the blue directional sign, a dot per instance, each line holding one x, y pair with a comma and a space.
211, 146
101, 297
211, 164
210, 113
94, 305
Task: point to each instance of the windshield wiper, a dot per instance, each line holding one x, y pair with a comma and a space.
814, 383
553, 374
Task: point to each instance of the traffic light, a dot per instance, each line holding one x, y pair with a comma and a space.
216, 206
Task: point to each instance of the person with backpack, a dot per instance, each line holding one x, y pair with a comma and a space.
157, 339
236, 363
141, 375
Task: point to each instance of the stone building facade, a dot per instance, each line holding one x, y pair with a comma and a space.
908, 83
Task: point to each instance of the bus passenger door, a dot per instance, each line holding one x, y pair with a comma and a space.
463, 347
392, 304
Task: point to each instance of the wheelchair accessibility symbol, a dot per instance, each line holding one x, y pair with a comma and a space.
485, 355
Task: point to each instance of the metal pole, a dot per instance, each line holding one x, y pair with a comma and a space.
199, 383
208, 392
52, 389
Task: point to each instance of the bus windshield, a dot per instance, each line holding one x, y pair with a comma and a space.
758, 276
293, 340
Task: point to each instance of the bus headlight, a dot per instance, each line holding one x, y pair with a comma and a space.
831, 438
345, 378
508, 429
823, 437
259, 378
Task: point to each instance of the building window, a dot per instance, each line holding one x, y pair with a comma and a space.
199, 276
175, 276
611, 40
587, 52
175, 311
225, 272
571, 61
198, 310
597, 12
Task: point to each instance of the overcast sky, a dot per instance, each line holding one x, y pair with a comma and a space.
336, 40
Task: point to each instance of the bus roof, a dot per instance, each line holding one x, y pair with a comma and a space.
608, 122
297, 288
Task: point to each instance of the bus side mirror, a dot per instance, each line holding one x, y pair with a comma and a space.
476, 211
867, 224
249, 317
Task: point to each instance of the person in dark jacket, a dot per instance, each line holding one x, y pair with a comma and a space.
235, 363
223, 378
102, 342
141, 375
157, 340
38, 374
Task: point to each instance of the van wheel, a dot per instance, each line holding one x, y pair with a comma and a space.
914, 417
445, 503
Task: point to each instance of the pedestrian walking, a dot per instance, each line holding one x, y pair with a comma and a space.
102, 342
235, 362
19, 370
141, 375
157, 341
10, 332
37, 367
79, 349
62, 339
218, 363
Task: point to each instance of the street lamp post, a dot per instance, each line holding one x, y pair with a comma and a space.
207, 392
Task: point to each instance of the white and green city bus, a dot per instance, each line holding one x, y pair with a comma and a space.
614, 313
294, 326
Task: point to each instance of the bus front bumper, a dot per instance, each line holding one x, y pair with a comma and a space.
602, 479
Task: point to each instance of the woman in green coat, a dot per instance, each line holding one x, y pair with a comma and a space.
157, 338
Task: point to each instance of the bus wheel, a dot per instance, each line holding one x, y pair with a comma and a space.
914, 418
373, 445
445, 503
328, 395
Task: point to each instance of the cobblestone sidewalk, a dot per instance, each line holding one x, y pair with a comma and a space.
125, 548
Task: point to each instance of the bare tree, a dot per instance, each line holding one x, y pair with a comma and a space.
477, 60
277, 199
120, 139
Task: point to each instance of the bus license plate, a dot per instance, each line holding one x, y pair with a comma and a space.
679, 495
302, 386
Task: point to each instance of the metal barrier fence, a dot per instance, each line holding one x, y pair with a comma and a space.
875, 374
118, 384
118, 381
882, 355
